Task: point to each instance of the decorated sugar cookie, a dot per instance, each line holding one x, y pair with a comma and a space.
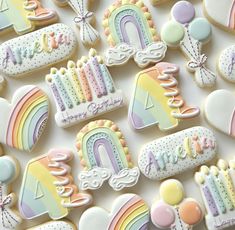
174, 211
9, 219
83, 90
217, 188
55, 225
221, 13
24, 15
190, 34
131, 33
226, 63
52, 191
37, 50
24, 119
177, 153
219, 111
83, 19
105, 156
129, 211
157, 100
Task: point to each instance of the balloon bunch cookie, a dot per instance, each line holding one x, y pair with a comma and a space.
157, 100
55, 225
83, 90
174, 211
131, 33
105, 156
88, 34
217, 188
190, 33
48, 187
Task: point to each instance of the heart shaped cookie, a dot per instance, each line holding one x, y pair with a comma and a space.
23, 120
129, 212
220, 111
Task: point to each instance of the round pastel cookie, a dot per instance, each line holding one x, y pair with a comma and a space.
55, 225
226, 63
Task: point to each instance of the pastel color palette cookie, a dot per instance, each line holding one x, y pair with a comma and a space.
217, 188
105, 157
177, 153
24, 119
131, 33
55, 225
157, 100
52, 191
83, 90
174, 211
129, 211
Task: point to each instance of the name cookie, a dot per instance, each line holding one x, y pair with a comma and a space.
52, 191
219, 111
55, 225
105, 156
37, 50
177, 153
83, 90
24, 119
217, 187
174, 211
157, 100
30, 13
189, 34
131, 33
129, 211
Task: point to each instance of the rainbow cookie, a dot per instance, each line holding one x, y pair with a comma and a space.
174, 211
189, 33
83, 91
24, 15
9, 219
157, 100
131, 33
83, 19
217, 187
24, 119
105, 156
51, 191
55, 225
177, 153
37, 50
129, 211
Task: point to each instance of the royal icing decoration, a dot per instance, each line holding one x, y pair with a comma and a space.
177, 153
83, 90
220, 111
52, 191
129, 211
221, 12
174, 211
131, 33
24, 16
226, 63
83, 19
37, 50
189, 34
157, 99
24, 119
217, 187
9, 172
55, 225
105, 156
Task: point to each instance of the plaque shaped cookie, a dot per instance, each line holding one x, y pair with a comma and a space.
105, 157
131, 33
83, 91
157, 100
55, 225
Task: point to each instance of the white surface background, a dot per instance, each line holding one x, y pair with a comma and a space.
124, 79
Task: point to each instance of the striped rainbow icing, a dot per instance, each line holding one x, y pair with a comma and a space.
129, 212
51, 191
157, 99
105, 156
23, 121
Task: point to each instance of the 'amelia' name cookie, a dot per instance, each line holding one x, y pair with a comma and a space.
177, 153
37, 50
